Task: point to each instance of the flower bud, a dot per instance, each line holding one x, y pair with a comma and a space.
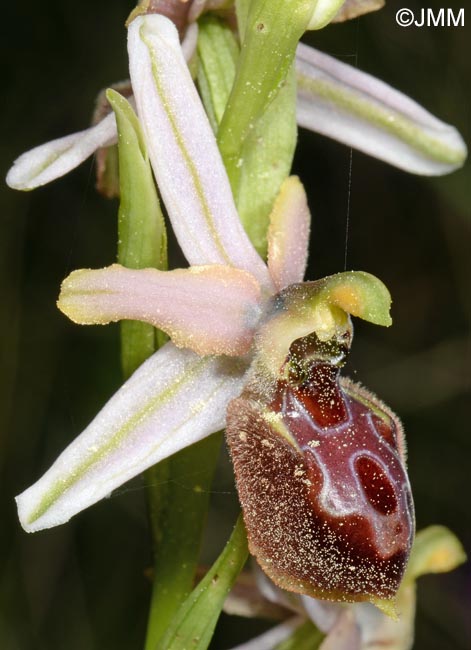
175, 10
320, 471
324, 12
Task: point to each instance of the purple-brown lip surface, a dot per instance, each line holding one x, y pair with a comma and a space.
321, 477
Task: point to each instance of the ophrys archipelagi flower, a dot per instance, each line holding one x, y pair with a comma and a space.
236, 321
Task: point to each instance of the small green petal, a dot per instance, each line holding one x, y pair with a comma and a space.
436, 550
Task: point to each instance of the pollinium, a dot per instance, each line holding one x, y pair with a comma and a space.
320, 470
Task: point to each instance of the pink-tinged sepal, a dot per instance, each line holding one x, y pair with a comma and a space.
320, 470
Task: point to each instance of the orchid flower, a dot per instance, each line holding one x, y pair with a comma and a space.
319, 461
240, 327
212, 308
358, 626
334, 99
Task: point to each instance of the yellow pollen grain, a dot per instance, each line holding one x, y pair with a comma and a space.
272, 418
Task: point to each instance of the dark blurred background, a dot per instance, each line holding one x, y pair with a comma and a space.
82, 585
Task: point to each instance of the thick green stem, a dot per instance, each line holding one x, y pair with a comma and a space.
178, 490
271, 34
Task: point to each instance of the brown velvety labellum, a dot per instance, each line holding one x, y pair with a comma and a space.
321, 477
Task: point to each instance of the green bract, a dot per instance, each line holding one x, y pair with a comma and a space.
271, 33
268, 150
218, 53
195, 621
142, 238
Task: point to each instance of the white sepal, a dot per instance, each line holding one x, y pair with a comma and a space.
53, 159
353, 107
173, 400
